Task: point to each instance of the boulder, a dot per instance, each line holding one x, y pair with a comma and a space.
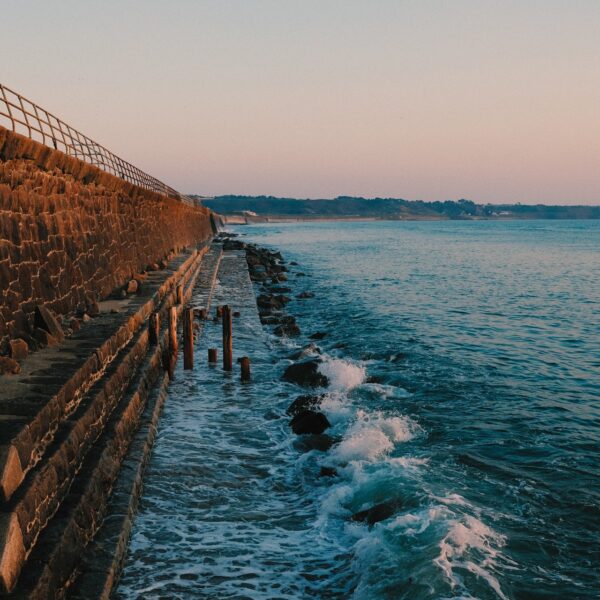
304, 295
328, 472
309, 422
305, 402
309, 350
319, 335
321, 443
306, 373
43, 338
18, 349
45, 319
8, 366
287, 330
377, 512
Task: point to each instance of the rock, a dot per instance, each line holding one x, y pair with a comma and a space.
309, 422
309, 350
322, 442
300, 274
287, 330
86, 318
280, 289
319, 335
18, 349
378, 512
44, 319
114, 311
43, 338
306, 373
305, 402
92, 308
374, 379
269, 320
75, 325
132, 287
9, 366
328, 472
237, 313
272, 301
303, 295
293, 264
282, 277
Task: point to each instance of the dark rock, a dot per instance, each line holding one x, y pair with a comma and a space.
8, 366
309, 350
328, 472
306, 373
319, 335
300, 274
305, 402
18, 349
280, 289
322, 442
309, 422
237, 313
269, 320
44, 319
282, 277
293, 264
378, 512
303, 295
287, 330
374, 379
43, 338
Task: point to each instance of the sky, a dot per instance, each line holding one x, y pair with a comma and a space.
490, 100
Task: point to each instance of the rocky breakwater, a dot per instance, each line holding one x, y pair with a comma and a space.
308, 422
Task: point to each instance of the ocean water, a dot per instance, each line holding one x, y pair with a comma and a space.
464, 366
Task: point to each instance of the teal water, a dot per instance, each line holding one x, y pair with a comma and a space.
464, 360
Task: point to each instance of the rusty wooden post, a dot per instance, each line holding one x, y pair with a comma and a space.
245, 366
172, 350
227, 340
154, 328
179, 294
188, 338
212, 355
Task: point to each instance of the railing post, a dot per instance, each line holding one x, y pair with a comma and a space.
154, 328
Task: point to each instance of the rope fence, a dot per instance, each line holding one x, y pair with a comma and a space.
29, 119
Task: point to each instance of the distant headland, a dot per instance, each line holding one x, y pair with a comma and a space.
261, 208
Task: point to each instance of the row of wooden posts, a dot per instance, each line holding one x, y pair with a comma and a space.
222, 312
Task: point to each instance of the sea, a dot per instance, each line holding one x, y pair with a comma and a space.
463, 360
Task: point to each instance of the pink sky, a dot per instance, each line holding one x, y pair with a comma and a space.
495, 101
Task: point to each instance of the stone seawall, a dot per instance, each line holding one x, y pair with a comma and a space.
70, 233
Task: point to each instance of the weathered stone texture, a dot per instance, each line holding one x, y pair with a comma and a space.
71, 233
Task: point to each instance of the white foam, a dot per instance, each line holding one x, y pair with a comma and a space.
471, 545
373, 435
342, 374
386, 391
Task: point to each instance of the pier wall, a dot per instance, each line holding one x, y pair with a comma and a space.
70, 233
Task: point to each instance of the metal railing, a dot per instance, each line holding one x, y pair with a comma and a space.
29, 119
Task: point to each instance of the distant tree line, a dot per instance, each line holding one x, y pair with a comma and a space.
392, 208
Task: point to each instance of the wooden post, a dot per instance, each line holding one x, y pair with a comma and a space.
227, 340
179, 294
154, 328
188, 338
173, 331
212, 355
219, 312
202, 314
245, 365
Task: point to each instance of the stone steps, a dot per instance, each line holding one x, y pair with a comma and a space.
76, 423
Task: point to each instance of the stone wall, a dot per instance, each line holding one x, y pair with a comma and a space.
70, 233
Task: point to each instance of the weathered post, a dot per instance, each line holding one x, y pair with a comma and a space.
212, 355
245, 366
219, 312
188, 338
179, 294
172, 350
202, 314
227, 340
154, 328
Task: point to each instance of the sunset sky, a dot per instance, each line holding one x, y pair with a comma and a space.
495, 101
